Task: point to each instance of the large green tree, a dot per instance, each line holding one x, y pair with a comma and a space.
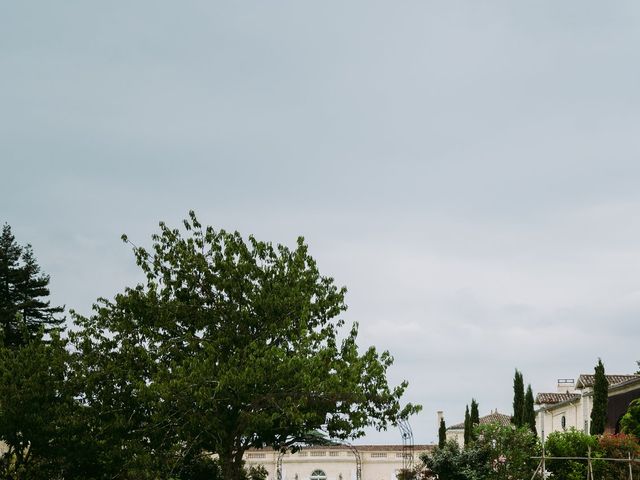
35, 409
474, 413
24, 309
230, 344
518, 399
529, 414
474, 418
600, 400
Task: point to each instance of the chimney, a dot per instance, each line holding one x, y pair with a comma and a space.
566, 385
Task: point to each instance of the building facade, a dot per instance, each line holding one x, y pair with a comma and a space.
378, 462
570, 406
456, 432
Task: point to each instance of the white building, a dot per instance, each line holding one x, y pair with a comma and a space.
456, 432
378, 462
570, 406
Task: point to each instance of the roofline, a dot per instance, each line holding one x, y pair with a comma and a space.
631, 381
564, 402
606, 375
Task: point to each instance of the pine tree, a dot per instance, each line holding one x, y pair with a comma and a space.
467, 427
529, 412
442, 434
23, 290
600, 400
518, 399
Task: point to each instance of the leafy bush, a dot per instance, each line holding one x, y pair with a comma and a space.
571, 443
509, 450
618, 446
499, 452
630, 422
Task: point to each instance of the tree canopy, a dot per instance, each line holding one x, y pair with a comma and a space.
34, 409
231, 344
24, 310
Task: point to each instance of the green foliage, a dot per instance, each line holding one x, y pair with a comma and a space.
474, 418
510, 450
257, 472
529, 414
202, 467
498, 452
407, 474
571, 443
630, 422
518, 399
229, 345
617, 446
23, 288
467, 426
34, 409
446, 462
600, 400
474, 413
442, 433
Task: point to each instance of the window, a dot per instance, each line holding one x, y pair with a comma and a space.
563, 422
378, 455
318, 475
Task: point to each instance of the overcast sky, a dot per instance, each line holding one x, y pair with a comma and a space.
469, 170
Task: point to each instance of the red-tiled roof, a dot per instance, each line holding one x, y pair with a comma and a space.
493, 417
555, 397
587, 380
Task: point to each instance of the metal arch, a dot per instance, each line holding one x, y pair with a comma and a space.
353, 449
279, 466
407, 444
356, 454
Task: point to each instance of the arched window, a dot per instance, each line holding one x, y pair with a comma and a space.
318, 475
563, 422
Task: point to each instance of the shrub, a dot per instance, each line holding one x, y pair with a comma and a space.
618, 446
499, 452
571, 443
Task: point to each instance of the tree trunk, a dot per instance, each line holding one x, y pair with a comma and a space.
231, 465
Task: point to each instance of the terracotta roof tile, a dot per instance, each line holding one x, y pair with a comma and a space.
493, 417
587, 380
555, 397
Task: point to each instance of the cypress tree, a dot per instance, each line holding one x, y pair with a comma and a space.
23, 290
518, 399
467, 427
600, 400
442, 434
474, 417
529, 411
